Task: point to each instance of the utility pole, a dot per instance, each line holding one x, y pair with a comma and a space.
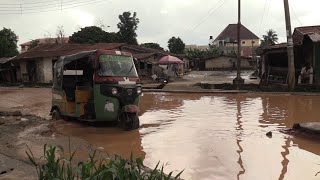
238, 80
291, 67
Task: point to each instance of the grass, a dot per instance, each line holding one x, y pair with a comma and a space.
57, 166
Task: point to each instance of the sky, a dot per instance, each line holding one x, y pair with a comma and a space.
191, 20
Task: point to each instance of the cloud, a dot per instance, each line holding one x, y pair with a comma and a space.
192, 20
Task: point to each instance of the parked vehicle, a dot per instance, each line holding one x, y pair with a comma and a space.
100, 85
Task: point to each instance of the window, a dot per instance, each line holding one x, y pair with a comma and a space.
243, 42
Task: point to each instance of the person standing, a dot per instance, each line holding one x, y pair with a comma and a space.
306, 74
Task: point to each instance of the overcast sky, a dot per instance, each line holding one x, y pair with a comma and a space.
192, 20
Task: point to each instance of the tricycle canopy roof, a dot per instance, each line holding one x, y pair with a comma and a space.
62, 61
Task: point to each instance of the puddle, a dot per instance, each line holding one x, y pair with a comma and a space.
216, 137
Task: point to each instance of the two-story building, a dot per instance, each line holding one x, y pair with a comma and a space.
26, 45
226, 41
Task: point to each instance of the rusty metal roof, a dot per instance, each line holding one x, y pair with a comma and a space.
56, 50
143, 55
47, 41
314, 37
300, 32
5, 59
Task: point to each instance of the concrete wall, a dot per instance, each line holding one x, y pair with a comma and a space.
47, 70
248, 42
43, 70
225, 63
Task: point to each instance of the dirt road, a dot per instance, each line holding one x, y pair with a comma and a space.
35, 101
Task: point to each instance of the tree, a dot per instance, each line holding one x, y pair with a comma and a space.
152, 45
127, 28
92, 34
60, 35
176, 45
8, 43
34, 43
270, 38
201, 54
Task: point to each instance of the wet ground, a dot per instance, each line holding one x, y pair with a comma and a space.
220, 136
217, 137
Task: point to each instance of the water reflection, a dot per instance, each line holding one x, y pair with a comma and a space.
285, 160
240, 150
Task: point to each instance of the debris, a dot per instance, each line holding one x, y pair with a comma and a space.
100, 148
14, 113
269, 134
311, 127
24, 119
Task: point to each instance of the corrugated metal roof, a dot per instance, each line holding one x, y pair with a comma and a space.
56, 50
314, 37
5, 59
143, 55
300, 32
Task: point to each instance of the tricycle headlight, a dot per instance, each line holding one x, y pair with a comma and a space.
139, 90
114, 91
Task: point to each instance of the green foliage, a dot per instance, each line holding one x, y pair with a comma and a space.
34, 43
8, 43
201, 54
127, 28
152, 45
92, 34
176, 45
57, 166
270, 38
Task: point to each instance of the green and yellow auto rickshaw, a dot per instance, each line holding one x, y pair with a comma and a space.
99, 85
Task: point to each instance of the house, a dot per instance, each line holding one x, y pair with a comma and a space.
274, 58
7, 70
36, 64
227, 63
25, 46
226, 41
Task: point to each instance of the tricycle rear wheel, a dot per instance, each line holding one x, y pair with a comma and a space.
56, 115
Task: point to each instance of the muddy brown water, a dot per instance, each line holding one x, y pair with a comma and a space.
216, 137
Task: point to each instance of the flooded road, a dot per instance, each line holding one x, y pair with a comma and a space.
216, 137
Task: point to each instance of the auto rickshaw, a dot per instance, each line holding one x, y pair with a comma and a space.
99, 85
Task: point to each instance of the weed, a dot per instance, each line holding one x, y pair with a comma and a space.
57, 166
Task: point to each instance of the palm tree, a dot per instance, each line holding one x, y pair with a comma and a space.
270, 38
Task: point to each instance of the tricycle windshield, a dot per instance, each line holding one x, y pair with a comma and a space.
116, 65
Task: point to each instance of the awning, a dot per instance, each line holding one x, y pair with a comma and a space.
170, 60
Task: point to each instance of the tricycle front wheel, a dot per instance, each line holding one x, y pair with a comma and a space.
129, 121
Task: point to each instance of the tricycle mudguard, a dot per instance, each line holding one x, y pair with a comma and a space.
130, 109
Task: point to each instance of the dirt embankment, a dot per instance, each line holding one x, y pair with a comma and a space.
18, 132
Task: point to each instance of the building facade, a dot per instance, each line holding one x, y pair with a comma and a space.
226, 41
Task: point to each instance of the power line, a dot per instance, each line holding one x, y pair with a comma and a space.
295, 14
18, 4
45, 6
211, 11
264, 11
267, 13
50, 9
